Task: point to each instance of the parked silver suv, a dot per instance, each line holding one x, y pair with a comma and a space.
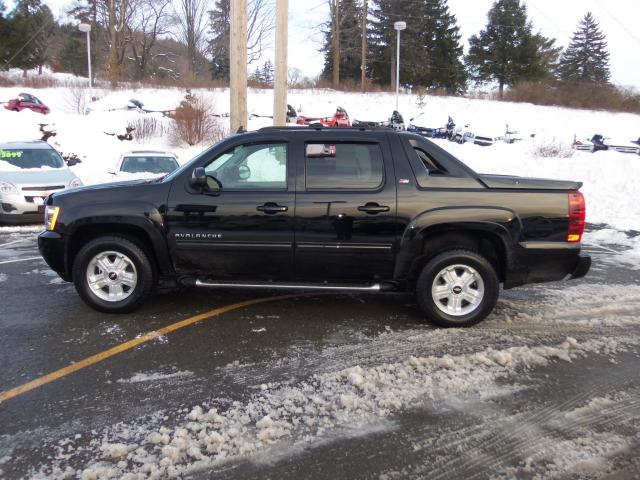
29, 171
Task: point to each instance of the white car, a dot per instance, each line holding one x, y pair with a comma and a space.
29, 172
145, 164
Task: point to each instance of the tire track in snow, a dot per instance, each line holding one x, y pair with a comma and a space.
515, 441
524, 446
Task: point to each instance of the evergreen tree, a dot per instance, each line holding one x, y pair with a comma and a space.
72, 57
30, 21
220, 30
507, 51
442, 48
263, 75
349, 42
430, 49
4, 33
268, 73
586, 59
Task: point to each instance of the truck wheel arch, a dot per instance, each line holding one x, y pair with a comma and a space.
151, 243
487, 230
484, 242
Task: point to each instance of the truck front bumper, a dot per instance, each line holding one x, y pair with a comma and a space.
52, 249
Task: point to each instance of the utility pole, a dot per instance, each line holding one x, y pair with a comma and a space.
363, 66
238, 65
398, 26
280, 77
334, 9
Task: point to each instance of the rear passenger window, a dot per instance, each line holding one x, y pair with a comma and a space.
354, 166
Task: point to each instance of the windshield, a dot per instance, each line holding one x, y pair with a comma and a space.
29, 158
150, 164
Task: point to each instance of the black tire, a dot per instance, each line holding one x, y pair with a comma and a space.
474, 262
140, 265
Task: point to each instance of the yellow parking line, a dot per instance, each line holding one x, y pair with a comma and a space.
98, 357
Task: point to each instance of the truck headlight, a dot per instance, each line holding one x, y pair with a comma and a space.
76, 182
8, 188
51, 217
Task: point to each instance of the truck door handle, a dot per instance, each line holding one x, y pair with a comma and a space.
373, 208
271, 208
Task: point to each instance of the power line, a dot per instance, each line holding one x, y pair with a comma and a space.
8, 62
619, 22
541, 12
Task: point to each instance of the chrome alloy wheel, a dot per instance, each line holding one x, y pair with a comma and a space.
111, 276
457, 290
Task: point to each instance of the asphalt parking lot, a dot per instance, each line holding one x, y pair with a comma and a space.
353, 386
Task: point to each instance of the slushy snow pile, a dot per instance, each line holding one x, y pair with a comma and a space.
305, 413
154, 377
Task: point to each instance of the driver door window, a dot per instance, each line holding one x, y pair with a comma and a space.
251, 167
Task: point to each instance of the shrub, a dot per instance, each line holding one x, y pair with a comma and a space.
576, 95
193, 122
147, 128
76, 98
552, 149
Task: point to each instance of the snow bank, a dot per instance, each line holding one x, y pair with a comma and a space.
608, 176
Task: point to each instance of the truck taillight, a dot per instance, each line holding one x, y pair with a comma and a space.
577, 213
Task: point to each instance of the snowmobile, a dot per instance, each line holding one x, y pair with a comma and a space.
511, 136
467, 135
123, 136
339, 119
292, 115
395, 121
436, 132
463, 135
599, 142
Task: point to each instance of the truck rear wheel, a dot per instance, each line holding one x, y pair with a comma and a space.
457, 288
112, 274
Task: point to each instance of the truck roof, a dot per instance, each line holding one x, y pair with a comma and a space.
320, 127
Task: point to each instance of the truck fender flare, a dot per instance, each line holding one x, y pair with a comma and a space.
150, 222
498, 222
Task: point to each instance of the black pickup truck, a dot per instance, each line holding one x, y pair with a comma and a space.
319, 209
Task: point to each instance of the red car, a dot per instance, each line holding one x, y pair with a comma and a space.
339, 119
26, 100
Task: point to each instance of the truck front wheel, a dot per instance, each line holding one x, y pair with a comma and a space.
457, 288
112, 274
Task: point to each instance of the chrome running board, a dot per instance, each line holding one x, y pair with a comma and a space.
376, 287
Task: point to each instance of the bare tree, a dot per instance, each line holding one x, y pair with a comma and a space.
259, 25
152, 19
116, 14
294, 75
190, 18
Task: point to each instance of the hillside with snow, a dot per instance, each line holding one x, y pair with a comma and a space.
610, 178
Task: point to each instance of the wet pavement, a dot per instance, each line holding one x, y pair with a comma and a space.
528, 413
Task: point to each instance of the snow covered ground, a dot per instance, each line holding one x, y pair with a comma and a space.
609, 177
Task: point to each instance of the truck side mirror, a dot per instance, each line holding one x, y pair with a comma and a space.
198, 178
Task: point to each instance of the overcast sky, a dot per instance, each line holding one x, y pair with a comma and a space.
554, 18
